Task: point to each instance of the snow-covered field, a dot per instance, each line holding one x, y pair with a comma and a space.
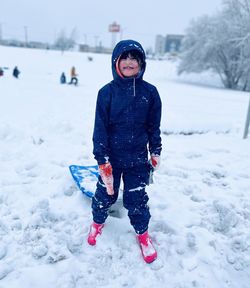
199, 203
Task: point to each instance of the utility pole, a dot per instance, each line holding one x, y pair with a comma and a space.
247, 121
96, 43
85, 39
1, 32
26, 35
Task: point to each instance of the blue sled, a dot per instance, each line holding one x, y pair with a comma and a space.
84, 175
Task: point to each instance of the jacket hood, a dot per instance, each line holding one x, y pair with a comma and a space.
125, 46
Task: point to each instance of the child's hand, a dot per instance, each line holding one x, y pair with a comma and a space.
105, 171
155, 161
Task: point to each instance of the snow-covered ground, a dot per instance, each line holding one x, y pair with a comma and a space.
199, 203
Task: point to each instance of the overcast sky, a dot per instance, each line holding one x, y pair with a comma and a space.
141, 20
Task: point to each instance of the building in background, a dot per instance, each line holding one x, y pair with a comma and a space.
169, 44
160, 45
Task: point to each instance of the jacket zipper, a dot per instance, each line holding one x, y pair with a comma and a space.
134, 86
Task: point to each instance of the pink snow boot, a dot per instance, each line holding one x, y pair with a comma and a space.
95, 230
148, 251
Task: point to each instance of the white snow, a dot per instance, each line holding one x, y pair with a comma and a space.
199, 203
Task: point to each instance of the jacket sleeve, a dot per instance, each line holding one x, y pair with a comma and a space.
100, 135
154, 121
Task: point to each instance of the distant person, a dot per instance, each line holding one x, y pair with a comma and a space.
1, 72
16, 72
73, 75
63, 78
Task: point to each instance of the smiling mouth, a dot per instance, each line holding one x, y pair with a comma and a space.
128, 67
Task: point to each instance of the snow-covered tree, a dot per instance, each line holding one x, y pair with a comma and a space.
64, 42
220, 43
239, 13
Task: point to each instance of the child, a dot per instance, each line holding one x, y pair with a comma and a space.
63, 78
127, 120
73, 75
16, 72
1, 72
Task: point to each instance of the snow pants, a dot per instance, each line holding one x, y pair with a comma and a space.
135, 197
73, 80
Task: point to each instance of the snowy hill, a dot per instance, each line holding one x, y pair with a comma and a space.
199, 203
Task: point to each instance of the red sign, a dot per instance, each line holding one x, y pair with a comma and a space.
114, 27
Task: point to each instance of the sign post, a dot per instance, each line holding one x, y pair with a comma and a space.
114, 28
247, 121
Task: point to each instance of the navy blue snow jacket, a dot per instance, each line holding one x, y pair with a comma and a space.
128, 115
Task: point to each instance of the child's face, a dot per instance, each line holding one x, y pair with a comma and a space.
129, 66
